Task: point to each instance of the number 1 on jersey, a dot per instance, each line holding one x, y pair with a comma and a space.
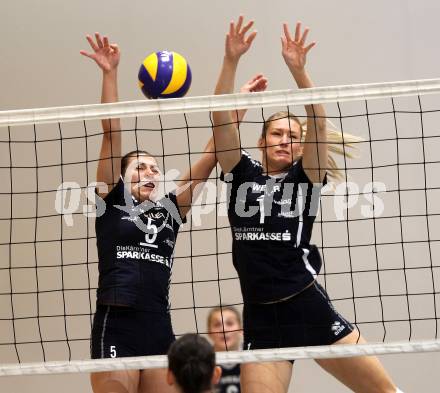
260, 200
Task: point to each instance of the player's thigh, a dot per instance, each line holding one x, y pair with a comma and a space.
362, 374
125, 381
116, 332
271, 377
154, 381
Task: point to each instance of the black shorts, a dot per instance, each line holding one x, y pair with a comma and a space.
124, 331
306, 319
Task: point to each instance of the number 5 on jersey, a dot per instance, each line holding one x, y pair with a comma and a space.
151, 235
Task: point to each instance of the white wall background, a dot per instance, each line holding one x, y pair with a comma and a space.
358, 42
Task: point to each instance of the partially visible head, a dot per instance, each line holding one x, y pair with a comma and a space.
141, 173
191, 364
224, 328
280, 141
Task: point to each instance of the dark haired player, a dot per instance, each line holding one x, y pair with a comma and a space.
136, 233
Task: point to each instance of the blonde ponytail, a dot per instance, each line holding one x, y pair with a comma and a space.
339, 144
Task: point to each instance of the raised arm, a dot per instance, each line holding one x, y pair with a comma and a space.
107, 57
315, 153
227, 141
201, 170
187, 190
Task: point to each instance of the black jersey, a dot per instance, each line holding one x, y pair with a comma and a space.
230, 379
135, 250
271, 220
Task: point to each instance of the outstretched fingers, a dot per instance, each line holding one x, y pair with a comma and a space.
115, 47
287, 35
298, 31
239, 38
310, 46
239, 24
93, 46
87, 54
105, 42
302, 41
250, 38
105, 54
246, 28
238, 29
231, 28
99, 40
92, 43
257, 83
283, 43
300, 37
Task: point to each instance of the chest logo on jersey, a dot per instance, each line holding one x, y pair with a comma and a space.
262, 187
250, 234
152, 215
155, 216
138, 253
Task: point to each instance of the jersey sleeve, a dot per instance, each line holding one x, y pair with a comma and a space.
173, 208
115, 195
245, 169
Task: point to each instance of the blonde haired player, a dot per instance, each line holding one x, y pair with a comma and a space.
271, 211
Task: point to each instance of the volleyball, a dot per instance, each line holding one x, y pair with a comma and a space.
164, 74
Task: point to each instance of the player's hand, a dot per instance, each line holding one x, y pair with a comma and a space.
106, 55
295, 50
256, 84
237, 40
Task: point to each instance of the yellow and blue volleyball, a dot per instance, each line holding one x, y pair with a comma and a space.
164, 74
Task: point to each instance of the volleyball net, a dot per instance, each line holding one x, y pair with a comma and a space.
378, 230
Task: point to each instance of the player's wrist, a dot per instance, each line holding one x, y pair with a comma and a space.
110, 73
231, 60
297, 70
302, 78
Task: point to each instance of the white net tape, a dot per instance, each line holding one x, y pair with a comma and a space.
206, 104
220, 102
232, 357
